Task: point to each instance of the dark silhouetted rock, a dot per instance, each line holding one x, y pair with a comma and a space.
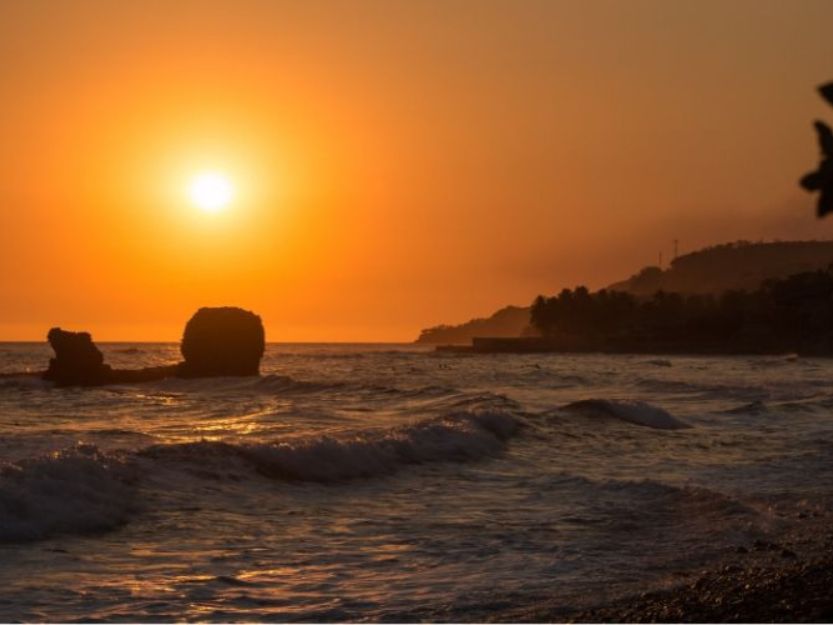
77, 362
222, 341
217, 341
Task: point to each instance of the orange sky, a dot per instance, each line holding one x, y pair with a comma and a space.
397, 164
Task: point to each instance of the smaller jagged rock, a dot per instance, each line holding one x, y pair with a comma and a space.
77, 362
222, 341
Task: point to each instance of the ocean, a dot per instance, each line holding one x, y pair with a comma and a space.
392, 483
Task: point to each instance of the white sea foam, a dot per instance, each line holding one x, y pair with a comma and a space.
77, 490
457, 436
580, 502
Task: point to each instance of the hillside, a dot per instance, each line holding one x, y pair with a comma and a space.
507, 322
731, 266
739, 266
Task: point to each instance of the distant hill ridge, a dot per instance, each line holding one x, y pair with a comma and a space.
741, 265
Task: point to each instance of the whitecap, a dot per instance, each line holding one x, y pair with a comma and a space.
77, 490
457, 436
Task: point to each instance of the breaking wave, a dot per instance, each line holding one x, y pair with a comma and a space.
78, 490
454, 437
637, 412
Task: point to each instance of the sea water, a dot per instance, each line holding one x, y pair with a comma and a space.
389, 482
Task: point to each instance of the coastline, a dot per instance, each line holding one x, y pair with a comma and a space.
572, 345
782, 582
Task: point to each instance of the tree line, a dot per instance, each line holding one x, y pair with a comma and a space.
790, 314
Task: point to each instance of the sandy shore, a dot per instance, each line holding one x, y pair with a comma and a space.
787, 581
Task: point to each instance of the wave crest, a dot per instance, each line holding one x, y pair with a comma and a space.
77, 490
637, 412
453, 437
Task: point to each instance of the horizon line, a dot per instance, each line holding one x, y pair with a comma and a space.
29, 342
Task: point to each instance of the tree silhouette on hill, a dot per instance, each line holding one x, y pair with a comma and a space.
788, 315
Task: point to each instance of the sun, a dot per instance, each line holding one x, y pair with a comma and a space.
211, 191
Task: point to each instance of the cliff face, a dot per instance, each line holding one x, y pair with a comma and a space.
712, 270
737, 266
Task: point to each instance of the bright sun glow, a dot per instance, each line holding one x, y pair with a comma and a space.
211, 191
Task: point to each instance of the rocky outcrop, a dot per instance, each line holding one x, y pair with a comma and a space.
222, 341
217, 342
77, 362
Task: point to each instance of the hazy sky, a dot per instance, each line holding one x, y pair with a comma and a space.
396, 164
